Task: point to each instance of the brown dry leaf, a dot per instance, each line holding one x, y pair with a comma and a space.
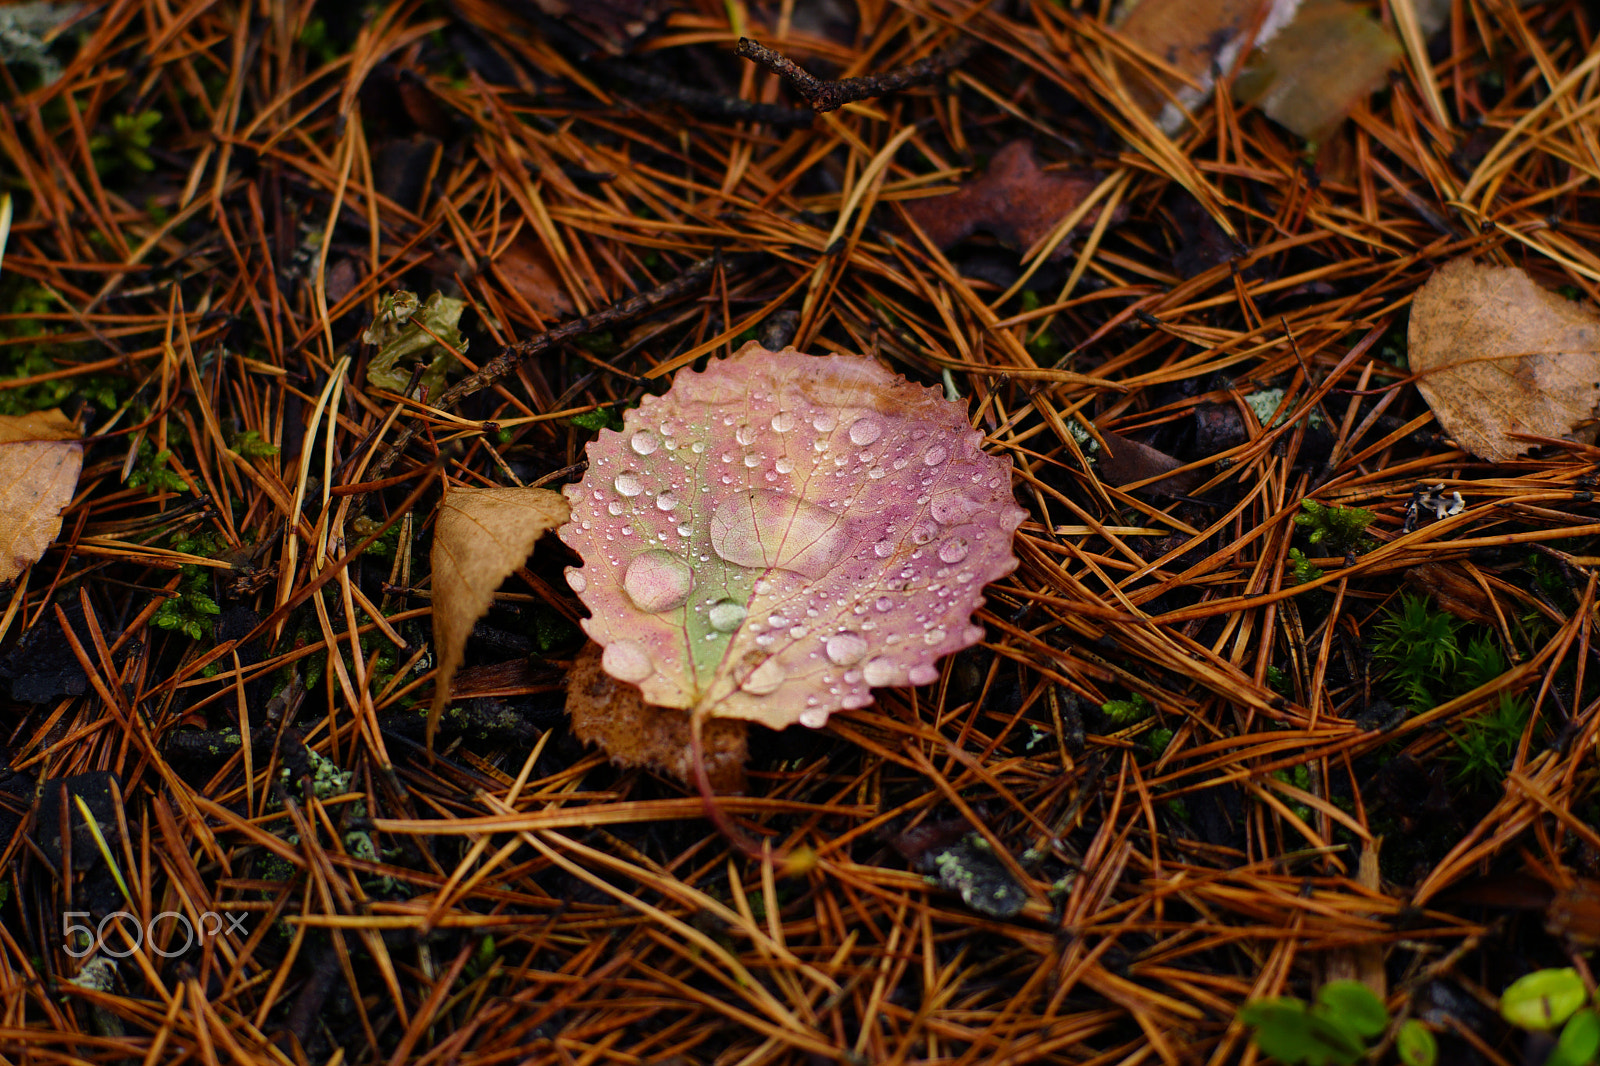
614, 715
527, 269
1014, 200
1125, 461
481, 536
1191, 37
1497, 355
1313, 71
40, 459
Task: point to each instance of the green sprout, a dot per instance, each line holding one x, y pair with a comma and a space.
191, 609
1300, 569
1124, 713
598, 419
1341, 529
1334, 1029
151, 472
1420, 646
250, 445
129, 139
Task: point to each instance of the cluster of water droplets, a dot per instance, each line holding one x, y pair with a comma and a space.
825, 541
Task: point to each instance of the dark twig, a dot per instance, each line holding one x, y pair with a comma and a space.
506, 362
704, 101
832, 95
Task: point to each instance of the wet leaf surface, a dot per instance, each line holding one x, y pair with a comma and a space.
780, 534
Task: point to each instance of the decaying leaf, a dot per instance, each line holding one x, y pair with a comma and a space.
1014, 199
480, 537
1311, 60
529, 271
408, 330
1309, 76
1497, 355
781, 533
40, 459
614, 716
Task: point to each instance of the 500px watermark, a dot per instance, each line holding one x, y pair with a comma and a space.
83, 939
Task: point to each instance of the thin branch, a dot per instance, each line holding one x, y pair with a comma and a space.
831, 95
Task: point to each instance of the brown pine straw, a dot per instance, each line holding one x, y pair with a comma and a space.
522, 900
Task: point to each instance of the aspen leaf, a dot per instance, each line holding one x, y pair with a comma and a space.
1497, 355
781, 533
479, 538
40, 459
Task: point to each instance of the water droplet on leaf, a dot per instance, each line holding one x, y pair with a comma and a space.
954, 550
644, 442
923, 674
845, 649
658, 581
627, 660
813, 718
866, 429
628, 483
782, 422
725, 616
765, 678
763, 528
576, 580
936, 455
880, 672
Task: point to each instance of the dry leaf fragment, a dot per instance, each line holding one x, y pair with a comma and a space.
1014, 200
40, 459
480, 537
529, 270
1496, 355
778, 535
613, 715
1309, 76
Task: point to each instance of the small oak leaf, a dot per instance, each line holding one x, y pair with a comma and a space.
781, 533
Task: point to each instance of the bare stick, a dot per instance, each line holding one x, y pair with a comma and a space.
832, 95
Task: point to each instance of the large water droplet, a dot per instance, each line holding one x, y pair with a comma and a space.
924, 674
644, 442
764, 679
845, 649
825, 422
814, 718
666, 501
657, 581
784, 465
856, 700
576, 580
628, 483
627, 660
726, 615
880, 672
866, 429
883, 549
923, 532
884, 604
744, 435
763, 528
954, 550
936, 455
782, 422
616, 507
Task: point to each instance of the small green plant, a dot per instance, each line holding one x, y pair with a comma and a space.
1548, 999
1339, 529
250, 445
191, 609
1123, 713
1334, 1029
1420, 646
1300, 569
598, 419
151, 472
128, 142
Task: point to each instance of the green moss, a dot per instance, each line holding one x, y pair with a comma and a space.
1338, 529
